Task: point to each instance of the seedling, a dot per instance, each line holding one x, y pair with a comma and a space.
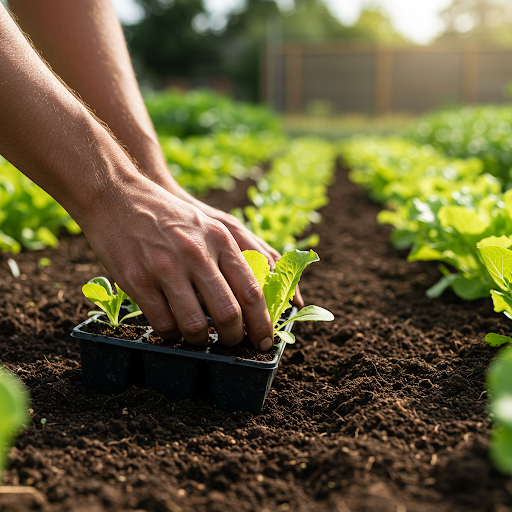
279, 288
14, 404
498, 260
99, 291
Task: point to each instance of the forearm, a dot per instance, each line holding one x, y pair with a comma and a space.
48, 134
84, 44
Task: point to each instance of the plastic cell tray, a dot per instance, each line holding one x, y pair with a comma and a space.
112, 365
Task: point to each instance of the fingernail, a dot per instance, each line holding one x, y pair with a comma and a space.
265, 345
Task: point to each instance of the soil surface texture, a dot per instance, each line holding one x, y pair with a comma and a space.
383, 409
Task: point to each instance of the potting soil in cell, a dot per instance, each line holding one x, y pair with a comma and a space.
383, 409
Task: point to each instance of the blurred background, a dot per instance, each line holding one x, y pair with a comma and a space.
326, 59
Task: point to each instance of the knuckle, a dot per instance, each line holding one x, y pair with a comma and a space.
221, 233
194, 327
252, 294
229, 314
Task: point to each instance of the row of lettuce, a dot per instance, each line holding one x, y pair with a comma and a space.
446, 188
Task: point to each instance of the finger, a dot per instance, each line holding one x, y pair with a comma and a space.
160, 316
297, 299
222, 305
189, 315
250, 298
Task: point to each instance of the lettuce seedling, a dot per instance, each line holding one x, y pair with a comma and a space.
99, 291
498, 260
14, 404
279, 288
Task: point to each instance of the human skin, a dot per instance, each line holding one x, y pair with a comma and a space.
84, 44
157, 246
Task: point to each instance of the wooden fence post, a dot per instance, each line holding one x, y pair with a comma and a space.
470, 67
293, 89
383, 80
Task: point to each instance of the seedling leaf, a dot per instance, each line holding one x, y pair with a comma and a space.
497, 340
286, 336
259, 265
310, 313
498, 261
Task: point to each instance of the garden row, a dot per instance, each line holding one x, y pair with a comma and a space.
446, 192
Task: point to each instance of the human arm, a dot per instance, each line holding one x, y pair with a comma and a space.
84, 43
157, 247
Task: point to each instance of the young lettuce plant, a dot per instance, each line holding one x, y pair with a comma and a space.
14, 405
99, 291
497, 257
279, 288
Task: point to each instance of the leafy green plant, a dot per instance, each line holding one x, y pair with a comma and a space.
499, 387
472, 131
279, 288
498, 259
29, 217
14, 405
286, 198
99, 291
203, 112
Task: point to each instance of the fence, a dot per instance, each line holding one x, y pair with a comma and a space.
381, 80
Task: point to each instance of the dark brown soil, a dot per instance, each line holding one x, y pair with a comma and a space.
122, 331
383, 409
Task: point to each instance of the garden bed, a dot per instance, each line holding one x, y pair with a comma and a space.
382, 409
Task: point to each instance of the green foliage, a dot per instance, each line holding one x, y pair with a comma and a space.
14, 405
440, 207
481, 131
99, 291
286, 198
202, 112
200, 164
165, 43
499, 387
29, 217
279, 288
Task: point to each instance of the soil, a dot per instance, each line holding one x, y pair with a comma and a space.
383, 409
122, 331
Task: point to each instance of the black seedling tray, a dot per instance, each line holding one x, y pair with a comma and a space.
112, 365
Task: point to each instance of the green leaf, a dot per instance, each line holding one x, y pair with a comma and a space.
104, 282
97, 294
445, 282
501, 448
14, 405
310, 313
470, 289
502, 241
502, 410
499, 374
465, 221
286, 336
497, 340
502, 303
130, 315
259, 266
280, 290
498, 261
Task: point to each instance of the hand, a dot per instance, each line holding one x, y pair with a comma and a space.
160, 249
245, 238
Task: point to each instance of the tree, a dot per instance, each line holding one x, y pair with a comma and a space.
167, 42
478, 20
